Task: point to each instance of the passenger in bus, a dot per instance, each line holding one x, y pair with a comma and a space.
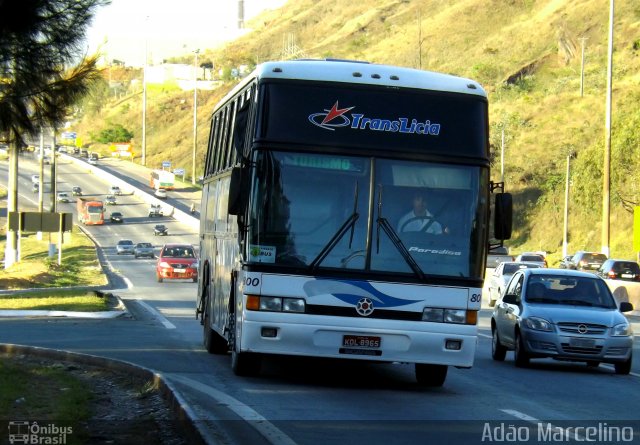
419, 219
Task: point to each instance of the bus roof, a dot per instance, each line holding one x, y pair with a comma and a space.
365, 73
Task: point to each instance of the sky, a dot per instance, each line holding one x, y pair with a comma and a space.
169, 27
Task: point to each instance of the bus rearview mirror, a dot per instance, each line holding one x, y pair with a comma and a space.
503, 215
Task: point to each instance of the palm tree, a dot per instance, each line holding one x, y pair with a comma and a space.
39, 41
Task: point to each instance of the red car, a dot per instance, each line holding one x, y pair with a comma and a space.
177, 261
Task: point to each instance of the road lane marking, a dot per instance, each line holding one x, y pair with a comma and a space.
568, 433
268, 430
161, 318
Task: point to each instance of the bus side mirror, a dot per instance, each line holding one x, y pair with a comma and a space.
236, 196
503, 216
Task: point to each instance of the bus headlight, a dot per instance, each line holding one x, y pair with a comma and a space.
433, 314
455, 316
276, 304
273, 304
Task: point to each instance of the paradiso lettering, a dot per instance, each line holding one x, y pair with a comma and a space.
336, 117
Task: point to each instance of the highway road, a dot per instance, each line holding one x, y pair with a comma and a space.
304, 401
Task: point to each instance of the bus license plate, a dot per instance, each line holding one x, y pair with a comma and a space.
361, 341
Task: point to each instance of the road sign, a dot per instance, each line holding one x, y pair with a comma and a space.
178, 171
166, 164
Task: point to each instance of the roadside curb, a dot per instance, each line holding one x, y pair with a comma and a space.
183, 414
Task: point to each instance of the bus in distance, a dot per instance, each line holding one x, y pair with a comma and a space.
352, 224
162, 179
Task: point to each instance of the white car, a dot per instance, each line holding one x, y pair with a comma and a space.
115, 190
501, 276
63, 197
35, 179
160, 193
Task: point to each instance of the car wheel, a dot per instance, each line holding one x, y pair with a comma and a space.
159, 278
431, 375
521, 356
135, 256
624, 368
498, 351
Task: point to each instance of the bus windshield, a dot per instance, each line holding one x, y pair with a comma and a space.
365, 213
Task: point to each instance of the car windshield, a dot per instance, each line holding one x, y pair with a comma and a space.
595, 257
574, 291
510, 269
178, 252
144, 245
125, 243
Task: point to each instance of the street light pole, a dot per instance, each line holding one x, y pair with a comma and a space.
607, 149
565, 238
195, 116
144, 98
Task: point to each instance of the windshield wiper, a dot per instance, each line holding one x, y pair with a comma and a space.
335, 239
395, 239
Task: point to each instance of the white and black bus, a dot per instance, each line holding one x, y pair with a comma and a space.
311, 166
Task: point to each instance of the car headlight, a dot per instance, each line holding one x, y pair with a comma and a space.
538, 324
163, 265
622, 330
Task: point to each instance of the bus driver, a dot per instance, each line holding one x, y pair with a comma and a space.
419, 219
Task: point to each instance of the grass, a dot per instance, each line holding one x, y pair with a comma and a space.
43, 393
70, 300
79, 265
36, 270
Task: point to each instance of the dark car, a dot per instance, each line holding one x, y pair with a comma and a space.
177, 261
561, 314
76, 191
116, 217
589, 261
620, 270
143, 250
160, 230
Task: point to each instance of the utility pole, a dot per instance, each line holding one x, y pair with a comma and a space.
195, 116
144, 97
607, 146
582, 41
502, 158
565, 238
11, 249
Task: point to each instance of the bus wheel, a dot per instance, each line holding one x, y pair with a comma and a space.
245, 363
213, 342
431, 375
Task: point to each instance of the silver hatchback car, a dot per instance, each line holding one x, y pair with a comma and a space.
561, 314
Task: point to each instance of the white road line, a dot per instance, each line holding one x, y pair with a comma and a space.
167, 324
567, 433
268, 430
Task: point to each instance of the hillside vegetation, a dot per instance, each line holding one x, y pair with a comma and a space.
526, 53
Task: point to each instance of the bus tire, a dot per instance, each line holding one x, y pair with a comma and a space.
245, 364
431, 375
213, 342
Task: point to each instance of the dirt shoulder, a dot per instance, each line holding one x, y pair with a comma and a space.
121, 407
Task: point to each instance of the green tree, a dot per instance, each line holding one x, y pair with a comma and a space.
40, 43
116, 133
